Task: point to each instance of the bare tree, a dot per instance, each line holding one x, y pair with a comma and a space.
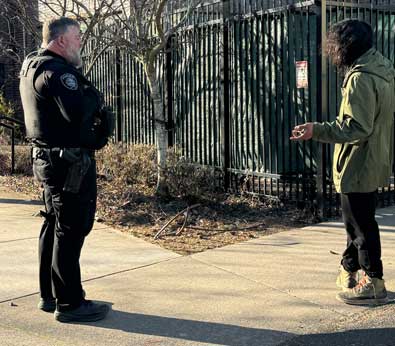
19, 28
141, 28
20, 19
93, 15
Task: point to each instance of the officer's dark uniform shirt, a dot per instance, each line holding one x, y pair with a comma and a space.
59, 103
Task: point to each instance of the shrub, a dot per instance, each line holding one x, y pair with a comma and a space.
128, 165
135, 166
23, 164
5, 164
189, 180
8, 109
23, 161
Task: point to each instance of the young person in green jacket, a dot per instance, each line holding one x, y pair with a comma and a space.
363, 136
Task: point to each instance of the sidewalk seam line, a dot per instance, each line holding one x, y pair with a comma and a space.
97, 277
131, 269
273, 288
15, 240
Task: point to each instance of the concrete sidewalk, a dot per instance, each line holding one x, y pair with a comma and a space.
263, 292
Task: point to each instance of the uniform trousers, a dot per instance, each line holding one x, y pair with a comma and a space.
69, 218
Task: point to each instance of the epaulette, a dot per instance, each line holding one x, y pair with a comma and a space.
34, 61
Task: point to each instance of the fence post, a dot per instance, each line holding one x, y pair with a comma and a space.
118, 96
169, 93
12, 150
322, 107
224, 112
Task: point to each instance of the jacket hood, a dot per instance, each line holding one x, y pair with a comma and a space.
374, 63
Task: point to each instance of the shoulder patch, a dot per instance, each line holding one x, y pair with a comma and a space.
69, 81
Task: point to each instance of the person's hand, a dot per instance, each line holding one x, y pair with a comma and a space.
302, 132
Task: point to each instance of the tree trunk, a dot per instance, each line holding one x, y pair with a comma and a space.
161, 134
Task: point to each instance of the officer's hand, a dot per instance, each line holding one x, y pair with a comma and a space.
302, 132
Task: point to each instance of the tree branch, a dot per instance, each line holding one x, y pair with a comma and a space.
172, 219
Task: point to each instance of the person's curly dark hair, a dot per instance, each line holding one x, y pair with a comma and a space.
347, 41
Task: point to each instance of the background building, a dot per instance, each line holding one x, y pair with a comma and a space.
17, 39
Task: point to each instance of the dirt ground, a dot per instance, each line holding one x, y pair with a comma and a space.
185, 227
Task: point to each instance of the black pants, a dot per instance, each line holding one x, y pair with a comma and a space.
69, 218
363, 238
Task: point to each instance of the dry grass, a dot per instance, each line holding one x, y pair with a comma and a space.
126, 200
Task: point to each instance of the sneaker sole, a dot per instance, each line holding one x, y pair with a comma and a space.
369, 302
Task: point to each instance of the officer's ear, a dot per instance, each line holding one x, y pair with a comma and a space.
58, 42
61, 41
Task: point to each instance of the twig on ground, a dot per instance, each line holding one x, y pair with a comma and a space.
171, 220
163, 212
125, 205
185, 222
235, 229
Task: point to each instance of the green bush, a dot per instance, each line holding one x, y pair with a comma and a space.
6, 107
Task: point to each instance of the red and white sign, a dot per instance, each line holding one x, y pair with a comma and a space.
302, 74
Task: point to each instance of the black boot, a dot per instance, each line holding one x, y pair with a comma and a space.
88, 311
47, 304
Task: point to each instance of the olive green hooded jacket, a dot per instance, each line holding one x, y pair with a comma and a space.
364, 129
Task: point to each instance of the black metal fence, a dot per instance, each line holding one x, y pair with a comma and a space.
11, 124
230, 82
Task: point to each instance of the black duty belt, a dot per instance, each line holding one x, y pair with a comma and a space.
40, 152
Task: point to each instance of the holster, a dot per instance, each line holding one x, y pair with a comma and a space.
79, 164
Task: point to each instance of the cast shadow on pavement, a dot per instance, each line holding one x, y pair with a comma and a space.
355, 337
233, 335
19, 201
190, 330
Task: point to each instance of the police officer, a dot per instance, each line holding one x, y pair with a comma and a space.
65, 122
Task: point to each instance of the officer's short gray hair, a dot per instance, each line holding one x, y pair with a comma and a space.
56, 27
